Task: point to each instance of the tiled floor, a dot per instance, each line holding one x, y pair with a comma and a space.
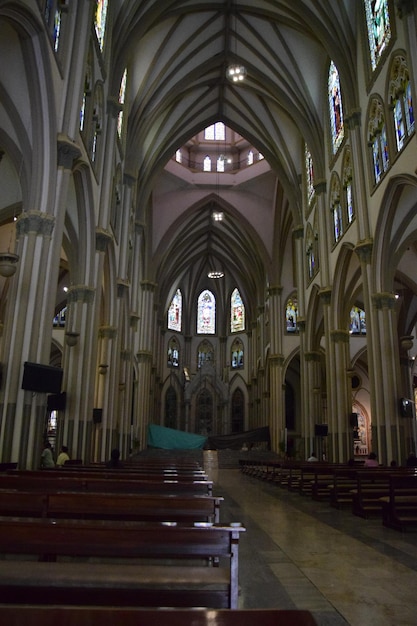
297, 553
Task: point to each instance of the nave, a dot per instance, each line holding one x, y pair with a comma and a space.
302, 554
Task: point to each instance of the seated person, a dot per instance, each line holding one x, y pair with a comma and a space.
114, 462
63, 456
371, 461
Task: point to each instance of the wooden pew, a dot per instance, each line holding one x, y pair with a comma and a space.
399, 508
49, 480
16, 615
371, 486
113, 564
116, 506
341, 491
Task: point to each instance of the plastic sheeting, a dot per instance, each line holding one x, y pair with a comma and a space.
171, 439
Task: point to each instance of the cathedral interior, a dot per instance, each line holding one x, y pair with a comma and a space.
208, 222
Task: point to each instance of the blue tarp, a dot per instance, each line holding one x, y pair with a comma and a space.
171, 439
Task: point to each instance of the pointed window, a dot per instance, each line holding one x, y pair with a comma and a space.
291, 315
379, 29
205, 354
215, 132
335, 108
349, 206
100, 18
53, 16
173, 356
377, 139
357, 323
401, 101
336, 209
237, 312
122, 96
250, 158
237, 354
175, 312
308, 160
207, 164
206, 313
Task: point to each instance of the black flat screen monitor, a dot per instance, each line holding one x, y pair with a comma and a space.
41, 378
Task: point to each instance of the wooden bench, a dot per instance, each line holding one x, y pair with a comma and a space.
371, 486
342, 487
119, 564
49, 480
16, 615
399, 508
116, 506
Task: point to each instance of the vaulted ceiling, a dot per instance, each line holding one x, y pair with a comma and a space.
177, 52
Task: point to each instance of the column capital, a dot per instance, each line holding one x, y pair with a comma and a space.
148, 285
320, 186
353, 119
277, 360
80, 293
313, 356
110, 332
364, 250
274, 290
68, 152
384, 300
35, 222
114, 106
298, 231
325, 295
103, 238
340, 336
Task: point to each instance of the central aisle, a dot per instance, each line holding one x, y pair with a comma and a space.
302, 554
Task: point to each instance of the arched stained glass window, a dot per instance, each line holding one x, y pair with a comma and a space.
178, 156
237, 354
348, 189
220, 163
122, 96
173, 356
205, 354
100, 18
207, 164
175, 312
291, 315
206, 313
250, 157
377, 139
53, 18
379, 29
336, 209
237, 312
308, 159
86, 101
335, 108
97, 123
357, 322
401, 101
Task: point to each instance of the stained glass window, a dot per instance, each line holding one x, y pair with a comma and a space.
401, 100
175, 312
308, 159
207, 164
348, 188
100, 21
53, 18
357, 323
250, 158
336, 209
377, 139
178, 156
220, 163
205, 354
122, 95
206, 313
173, 353
335, 108
379, 29
237, 354
291, 315
237, 312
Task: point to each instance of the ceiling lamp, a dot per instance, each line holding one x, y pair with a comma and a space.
215, 274
236, 73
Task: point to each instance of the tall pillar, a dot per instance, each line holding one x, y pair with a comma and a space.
385, 433
144, 357
341, 395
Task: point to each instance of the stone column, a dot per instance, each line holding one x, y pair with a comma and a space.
342, 396
385, 434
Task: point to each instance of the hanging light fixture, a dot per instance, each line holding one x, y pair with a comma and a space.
235, 72
8, 260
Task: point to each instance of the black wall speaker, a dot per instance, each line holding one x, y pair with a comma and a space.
353, 420
321, 430
97, 415
41, 378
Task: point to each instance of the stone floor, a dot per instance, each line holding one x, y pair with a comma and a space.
298, 553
